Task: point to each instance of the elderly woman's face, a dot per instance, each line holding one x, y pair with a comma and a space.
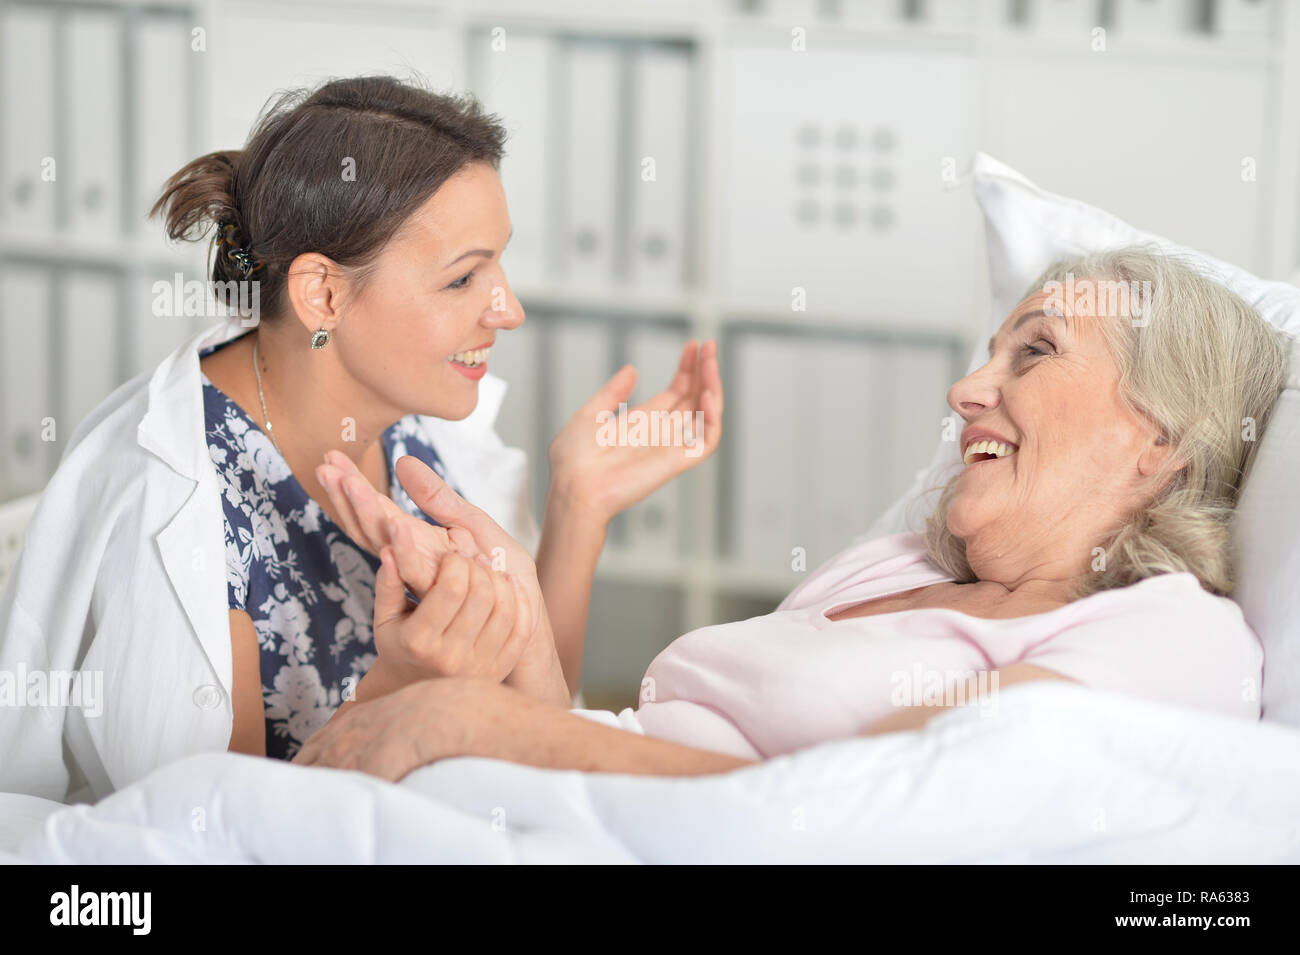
1075, 460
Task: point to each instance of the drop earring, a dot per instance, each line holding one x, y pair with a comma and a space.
320, 338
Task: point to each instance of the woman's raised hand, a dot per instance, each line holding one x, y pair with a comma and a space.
671, 433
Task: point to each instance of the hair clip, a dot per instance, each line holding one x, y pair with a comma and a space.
244, 259
241, 256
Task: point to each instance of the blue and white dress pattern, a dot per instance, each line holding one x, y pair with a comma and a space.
308, 588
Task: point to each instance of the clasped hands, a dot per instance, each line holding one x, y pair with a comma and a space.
480, 611
481, 624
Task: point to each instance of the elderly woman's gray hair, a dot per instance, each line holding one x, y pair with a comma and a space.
1206, 368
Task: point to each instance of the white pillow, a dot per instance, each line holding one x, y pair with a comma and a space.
1266, 534
1027, 229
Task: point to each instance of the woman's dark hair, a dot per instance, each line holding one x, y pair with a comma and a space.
336, 170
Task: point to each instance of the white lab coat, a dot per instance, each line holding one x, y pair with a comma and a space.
124, 574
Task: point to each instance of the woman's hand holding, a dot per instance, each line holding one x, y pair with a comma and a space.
472, 621
603, 477
369, 517
376, 522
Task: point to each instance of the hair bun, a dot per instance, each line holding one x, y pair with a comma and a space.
233, 247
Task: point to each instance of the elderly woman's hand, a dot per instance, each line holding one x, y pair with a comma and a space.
454, 716
416, 725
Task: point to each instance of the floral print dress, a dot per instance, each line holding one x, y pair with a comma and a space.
308, 588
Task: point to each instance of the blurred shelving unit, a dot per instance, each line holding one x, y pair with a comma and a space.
805, 210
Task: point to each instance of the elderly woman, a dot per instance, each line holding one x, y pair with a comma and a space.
1085, 538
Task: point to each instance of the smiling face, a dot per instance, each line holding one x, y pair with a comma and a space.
1077, 459
416, 332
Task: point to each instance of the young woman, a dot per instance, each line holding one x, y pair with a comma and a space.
185, 558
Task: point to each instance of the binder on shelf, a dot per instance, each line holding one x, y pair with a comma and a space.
32, 172
152, 327
949, 14
771, 474
162, 98
25, 394
1063, 17
661, 85
93, 72
88, 344
516, 84
793, 12
1244, 17
830, 432
592, 177
872, 14
515, 359
653, 527
1154, 18
580, 360
845, 420
918, 379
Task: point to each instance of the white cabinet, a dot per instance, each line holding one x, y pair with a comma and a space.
837, 178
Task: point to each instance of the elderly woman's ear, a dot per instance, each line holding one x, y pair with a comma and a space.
1159, 454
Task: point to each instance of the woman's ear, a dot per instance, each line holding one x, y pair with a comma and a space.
315, 288
1159, 453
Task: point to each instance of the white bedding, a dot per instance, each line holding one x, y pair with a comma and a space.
1060, 774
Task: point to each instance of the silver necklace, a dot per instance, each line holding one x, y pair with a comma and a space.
257, 370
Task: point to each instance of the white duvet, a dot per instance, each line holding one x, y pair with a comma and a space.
1060, 774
